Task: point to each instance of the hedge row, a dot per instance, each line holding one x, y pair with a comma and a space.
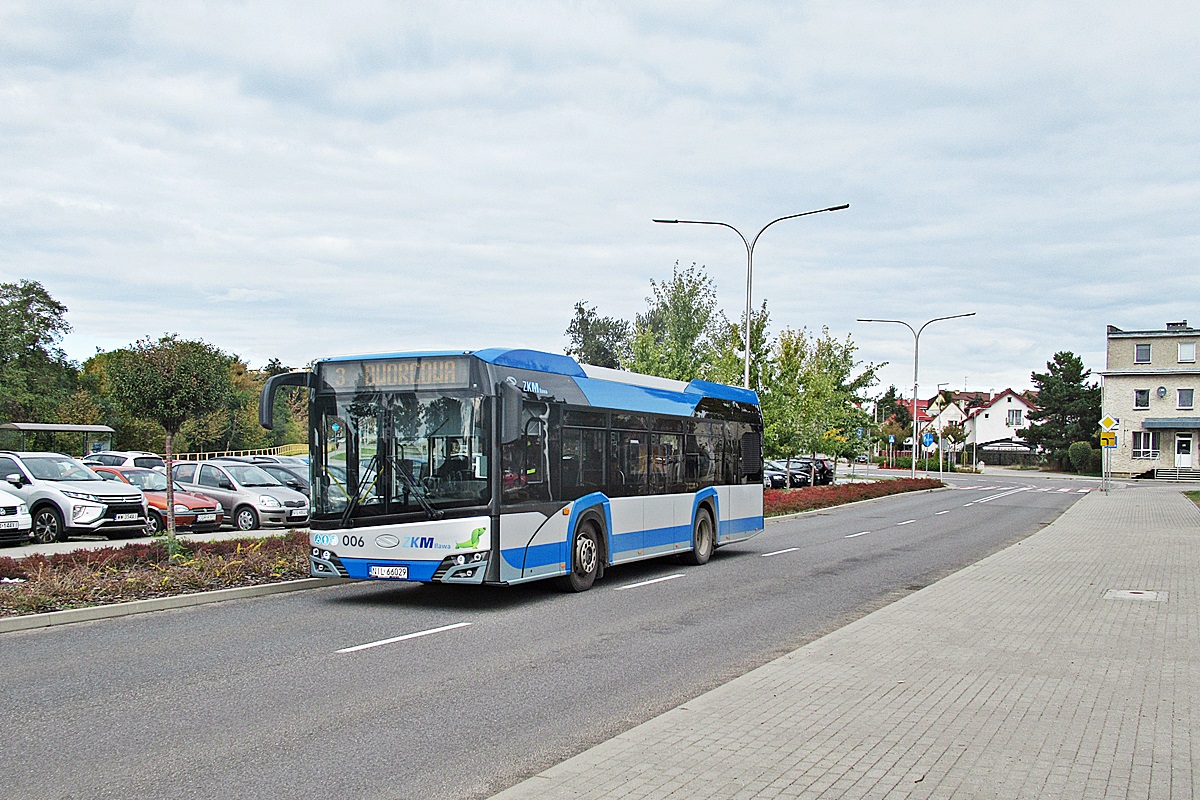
790, 501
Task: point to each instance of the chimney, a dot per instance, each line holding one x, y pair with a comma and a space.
1177, 326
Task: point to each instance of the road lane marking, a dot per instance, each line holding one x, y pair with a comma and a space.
938, 514
906, 522
851, 536
647, 583
780, 552
406, 636
1005, 493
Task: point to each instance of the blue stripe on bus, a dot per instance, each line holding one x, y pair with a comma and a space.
732, 527
417, 570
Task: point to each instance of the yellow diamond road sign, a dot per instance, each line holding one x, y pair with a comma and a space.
1108, 423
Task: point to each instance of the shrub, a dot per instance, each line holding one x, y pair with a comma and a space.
1079, 454
790, 501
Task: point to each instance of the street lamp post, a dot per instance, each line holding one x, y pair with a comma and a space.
916, 348
941, 446
749, 257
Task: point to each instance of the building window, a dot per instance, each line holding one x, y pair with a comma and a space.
1145, 444
1187, 352
1141, 354
1015, 416
1141, 398
1186, 396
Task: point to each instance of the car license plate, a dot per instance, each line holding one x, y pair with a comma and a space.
206, 518
7, 526
125, 517
298, 512
388, 572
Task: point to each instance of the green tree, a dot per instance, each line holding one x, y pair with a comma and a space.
1080, 455
674, 338
729, 349
1068, 407
170, 381
893, 407
35, 375
600, 341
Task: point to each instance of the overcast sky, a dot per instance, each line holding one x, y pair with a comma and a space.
299, 180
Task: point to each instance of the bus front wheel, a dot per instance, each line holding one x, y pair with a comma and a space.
585, 561
703, 540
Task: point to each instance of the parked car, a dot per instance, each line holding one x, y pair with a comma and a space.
773, 478
16, 524
801, 473
65, 497
821, 469
253, 496
195, 512
126, 458
290, 476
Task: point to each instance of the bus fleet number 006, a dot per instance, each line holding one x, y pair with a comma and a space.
331, 539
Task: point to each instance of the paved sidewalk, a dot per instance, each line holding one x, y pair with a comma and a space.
1066, 666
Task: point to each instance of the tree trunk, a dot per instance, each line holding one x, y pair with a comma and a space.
170, 492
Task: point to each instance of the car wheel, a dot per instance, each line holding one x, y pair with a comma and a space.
154, 524
585, 560
245, 519
703, 540
48, 526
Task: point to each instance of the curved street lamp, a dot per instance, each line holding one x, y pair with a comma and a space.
749, 257
916, 345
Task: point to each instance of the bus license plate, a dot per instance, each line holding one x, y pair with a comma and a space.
388, 572
206, 518
125, 517
6, 526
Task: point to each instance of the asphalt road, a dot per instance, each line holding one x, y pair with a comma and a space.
252, 698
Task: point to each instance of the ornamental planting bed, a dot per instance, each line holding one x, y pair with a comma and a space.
791, 501
145, 570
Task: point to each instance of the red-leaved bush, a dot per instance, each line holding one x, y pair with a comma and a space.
790, 501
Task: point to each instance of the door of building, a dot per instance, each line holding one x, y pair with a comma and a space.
1183, 450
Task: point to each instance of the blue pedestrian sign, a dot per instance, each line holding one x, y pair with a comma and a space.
891, 439
927, 439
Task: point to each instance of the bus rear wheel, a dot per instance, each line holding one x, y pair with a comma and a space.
703, 540
585, 561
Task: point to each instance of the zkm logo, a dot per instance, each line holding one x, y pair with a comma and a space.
423, 543
533, 387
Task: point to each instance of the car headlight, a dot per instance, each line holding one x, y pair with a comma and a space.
82, 496
220, 508
181, 509
22, 508
266, 501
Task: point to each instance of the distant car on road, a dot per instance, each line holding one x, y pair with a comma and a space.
196, 512
65, 497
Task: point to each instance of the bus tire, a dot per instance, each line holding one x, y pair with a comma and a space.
585, 560
704, 539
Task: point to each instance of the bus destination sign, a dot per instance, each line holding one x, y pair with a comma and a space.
398, 373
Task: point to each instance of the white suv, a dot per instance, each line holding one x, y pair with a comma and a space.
16, 526
65, 497
126, 458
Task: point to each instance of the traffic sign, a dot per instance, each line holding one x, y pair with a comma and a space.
891, 438
1109, 423
1108, 439
927, 438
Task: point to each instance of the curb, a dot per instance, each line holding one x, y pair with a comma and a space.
51, 618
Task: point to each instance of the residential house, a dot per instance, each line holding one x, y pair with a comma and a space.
1150, 383
993, 428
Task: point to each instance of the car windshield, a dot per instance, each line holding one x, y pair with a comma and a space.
250, 475
148, 481
59, 468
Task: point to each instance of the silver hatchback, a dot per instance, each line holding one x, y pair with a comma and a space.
254, 497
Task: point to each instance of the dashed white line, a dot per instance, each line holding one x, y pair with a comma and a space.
780, 552
938, 514
648, 583
394, 639
853, 535
906, 522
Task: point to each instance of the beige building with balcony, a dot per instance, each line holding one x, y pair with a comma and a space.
1151, 383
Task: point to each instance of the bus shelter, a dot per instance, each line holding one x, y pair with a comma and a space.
101, 434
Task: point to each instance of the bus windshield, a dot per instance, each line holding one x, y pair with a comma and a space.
382, 452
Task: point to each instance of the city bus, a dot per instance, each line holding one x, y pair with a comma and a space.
504, 466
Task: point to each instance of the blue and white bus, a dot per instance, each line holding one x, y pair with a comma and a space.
504, 466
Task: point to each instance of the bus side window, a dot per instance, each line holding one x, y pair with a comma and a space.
525, 458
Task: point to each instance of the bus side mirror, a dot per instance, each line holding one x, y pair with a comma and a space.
510, 398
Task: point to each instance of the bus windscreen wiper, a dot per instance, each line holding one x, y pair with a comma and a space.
430, 511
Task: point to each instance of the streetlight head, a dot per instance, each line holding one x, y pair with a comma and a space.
667, 221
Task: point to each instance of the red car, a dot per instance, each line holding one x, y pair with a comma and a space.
196, 512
